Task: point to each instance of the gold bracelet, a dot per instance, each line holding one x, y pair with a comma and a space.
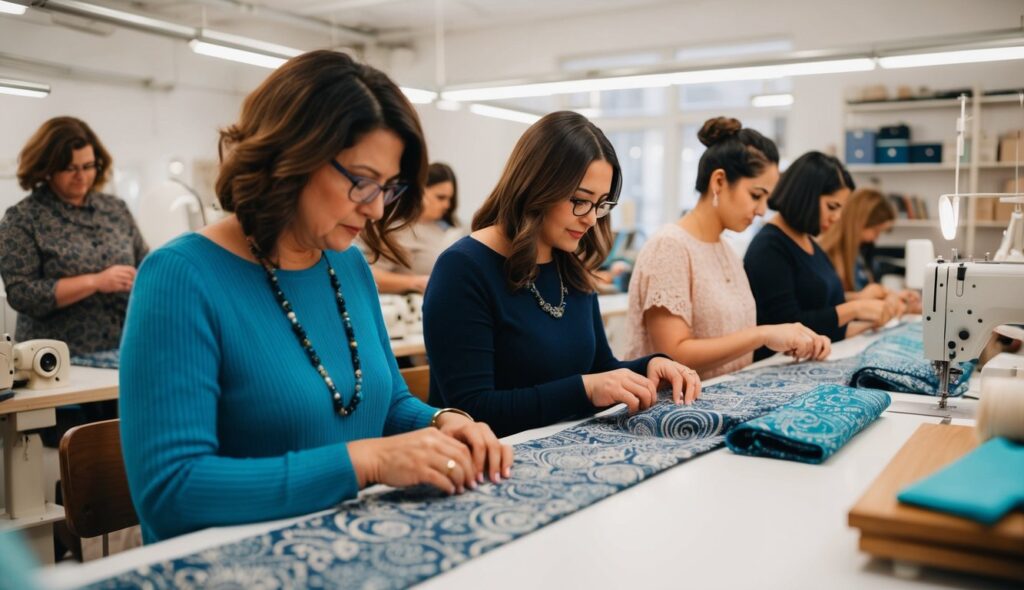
437, 414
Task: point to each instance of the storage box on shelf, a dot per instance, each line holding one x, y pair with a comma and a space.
928, 156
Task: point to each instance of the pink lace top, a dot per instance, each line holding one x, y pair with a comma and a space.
703, 283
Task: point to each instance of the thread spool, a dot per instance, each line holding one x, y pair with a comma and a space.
918, 254
1001, 411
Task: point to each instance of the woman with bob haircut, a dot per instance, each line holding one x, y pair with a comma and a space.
68, 252
689, 296
257, 379
425, 239
868, 214
511, 319
790, 275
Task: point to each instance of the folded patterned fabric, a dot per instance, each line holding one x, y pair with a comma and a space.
812, 427
896, 362
104, 359
983, 485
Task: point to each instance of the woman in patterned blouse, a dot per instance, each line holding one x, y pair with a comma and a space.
68, 252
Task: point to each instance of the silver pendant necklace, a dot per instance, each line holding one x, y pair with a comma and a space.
554, 311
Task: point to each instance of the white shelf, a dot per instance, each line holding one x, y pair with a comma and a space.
882, 168
999, 166
934, 103
934, 223
51, 513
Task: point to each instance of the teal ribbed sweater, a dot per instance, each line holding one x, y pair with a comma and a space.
223, 419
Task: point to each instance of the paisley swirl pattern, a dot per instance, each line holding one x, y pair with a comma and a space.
398, 538
896, 363
812, 427
103, 359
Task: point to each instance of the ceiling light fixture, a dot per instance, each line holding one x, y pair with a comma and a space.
697, 76
771, 100
23, 88
240, 55
506, 114
944, 58
11, 8
418, 96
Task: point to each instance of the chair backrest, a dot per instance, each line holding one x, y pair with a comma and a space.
96, 496
417, 379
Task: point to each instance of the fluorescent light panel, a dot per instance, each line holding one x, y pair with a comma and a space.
125, 18
506, 114
11, 8
240, 55
23, 88
771, 100
418, 96
765, 72
942, 58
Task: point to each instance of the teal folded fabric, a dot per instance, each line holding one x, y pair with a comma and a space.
983, 485
811, 428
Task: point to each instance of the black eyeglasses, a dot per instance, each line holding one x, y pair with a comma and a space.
581, 207
365, 190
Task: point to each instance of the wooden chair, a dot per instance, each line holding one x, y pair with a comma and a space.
96, 496
418, 381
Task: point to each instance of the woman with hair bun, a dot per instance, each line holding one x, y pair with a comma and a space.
689, 296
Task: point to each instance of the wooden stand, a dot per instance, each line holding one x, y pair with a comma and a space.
905, 533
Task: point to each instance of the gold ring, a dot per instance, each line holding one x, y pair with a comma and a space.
450, 465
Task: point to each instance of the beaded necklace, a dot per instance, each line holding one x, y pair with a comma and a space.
304, 341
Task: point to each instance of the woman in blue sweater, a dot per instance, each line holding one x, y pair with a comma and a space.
257, 379
791, 277
511, 319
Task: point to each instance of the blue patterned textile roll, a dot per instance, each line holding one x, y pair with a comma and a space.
104, 359
895, 362
811, 428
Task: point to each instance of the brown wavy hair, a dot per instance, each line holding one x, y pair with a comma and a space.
437, 173
545, 169
305, 113
49, 150
865, 208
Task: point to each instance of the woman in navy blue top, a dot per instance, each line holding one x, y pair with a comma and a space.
511, 319
791, 277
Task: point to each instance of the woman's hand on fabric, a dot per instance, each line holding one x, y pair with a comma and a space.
620, 386
490, 456
684, 380
796, 340
876, 311
874, 291
897, 307
116, 279
424, 456
912, 299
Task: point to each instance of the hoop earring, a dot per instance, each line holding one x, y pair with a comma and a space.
714, 199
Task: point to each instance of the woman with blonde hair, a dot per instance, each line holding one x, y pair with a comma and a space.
511, 318
868, 214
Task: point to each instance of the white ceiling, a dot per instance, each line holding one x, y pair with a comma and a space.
391, 19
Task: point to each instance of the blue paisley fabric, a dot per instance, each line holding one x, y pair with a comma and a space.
896, 362
399, 538
103, 359
812, 427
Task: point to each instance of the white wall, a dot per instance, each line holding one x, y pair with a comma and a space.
141, 128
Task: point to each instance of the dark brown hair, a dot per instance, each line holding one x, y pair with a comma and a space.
798, 194
437, 173
297, 120
739, 151
545, 169
49, 150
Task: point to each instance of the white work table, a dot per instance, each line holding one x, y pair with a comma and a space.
718, 521
26, 507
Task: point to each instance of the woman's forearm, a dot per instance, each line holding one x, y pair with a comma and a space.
393, 282
71, 290
847, 312
702, 354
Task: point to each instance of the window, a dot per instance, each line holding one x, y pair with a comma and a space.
641, 155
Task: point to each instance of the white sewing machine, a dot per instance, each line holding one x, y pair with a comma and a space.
964, 301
